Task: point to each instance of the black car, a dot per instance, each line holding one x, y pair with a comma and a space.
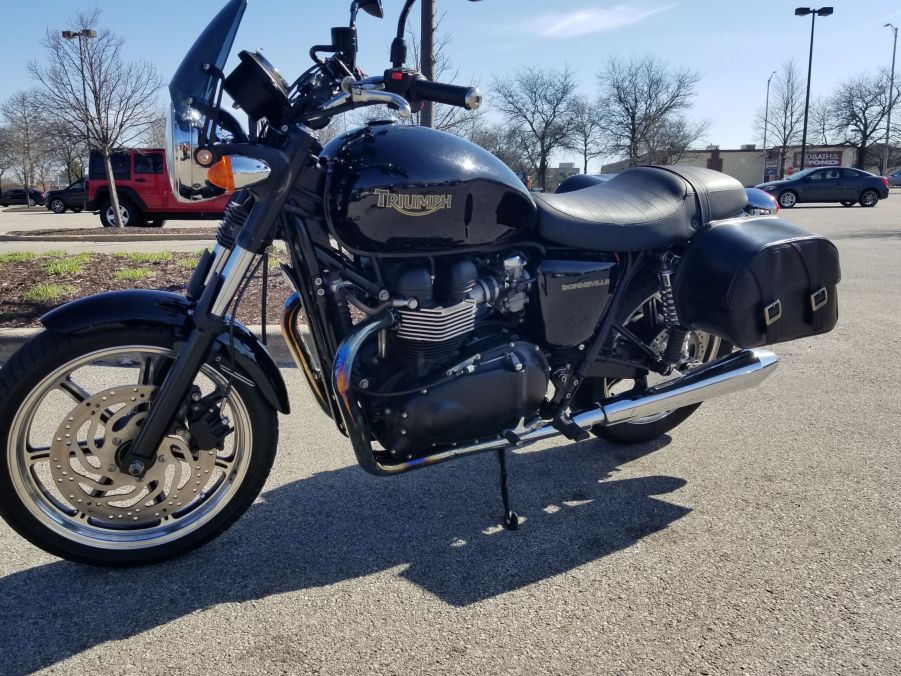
17, 196
72, 197
831, 184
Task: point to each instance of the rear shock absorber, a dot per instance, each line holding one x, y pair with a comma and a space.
675, 344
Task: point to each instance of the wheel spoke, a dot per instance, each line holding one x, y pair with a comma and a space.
73, 389
148, 370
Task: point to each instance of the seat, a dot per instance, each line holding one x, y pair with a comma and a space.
638, 209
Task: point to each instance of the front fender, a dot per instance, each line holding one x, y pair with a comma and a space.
143, 307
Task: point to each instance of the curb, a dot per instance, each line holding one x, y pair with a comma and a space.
12, 339
109, 238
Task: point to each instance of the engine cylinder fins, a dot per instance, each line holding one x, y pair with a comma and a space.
434, 325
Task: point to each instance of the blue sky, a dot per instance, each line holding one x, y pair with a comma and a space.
735, 45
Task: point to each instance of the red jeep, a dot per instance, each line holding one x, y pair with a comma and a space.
145, 196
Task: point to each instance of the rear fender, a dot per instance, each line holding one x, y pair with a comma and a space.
143, 307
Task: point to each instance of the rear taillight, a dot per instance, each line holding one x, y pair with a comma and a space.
885, 181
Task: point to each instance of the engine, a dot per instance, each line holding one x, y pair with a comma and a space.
455, 366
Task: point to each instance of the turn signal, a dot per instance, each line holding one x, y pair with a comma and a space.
222, 175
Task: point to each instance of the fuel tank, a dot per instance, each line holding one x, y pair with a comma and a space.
400, 189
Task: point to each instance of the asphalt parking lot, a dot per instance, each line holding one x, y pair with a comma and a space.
763, 536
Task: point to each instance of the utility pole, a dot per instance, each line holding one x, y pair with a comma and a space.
766, 120
427, 57
891, 83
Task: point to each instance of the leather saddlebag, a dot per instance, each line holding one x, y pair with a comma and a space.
757, 281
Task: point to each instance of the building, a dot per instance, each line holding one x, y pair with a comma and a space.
747, 162
556, 175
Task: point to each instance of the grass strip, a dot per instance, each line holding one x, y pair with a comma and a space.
132, 273
44, 293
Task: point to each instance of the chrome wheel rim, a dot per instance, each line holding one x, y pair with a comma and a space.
57, 206
701, 348
787, 199
123, 212
63, 466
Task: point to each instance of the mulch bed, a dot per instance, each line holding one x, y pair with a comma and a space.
160, 233
17, 278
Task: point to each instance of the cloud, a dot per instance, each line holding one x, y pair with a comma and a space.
587, 21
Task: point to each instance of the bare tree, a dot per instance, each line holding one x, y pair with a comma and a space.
668, 141
67, 149
786, 115
6, 160
122, 99
155, 136
588, 136
537, 105
642, 102
859, 108
23, 122
505, 144
821, 123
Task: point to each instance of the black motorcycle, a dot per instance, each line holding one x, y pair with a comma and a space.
448, 311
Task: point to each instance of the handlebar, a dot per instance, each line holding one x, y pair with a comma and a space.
451, 95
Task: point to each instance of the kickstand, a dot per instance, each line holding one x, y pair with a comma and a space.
511, 520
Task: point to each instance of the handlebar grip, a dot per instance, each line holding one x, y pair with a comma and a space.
451, 95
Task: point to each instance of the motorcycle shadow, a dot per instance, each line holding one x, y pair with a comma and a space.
343, 524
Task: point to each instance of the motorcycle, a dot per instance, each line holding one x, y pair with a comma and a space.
448, 310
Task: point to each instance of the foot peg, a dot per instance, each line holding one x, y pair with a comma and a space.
511, 520
569, 429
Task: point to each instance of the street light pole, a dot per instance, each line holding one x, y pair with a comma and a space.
82, 35
804, 11
766, 120
891, 83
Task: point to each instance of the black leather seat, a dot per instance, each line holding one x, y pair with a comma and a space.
640, 208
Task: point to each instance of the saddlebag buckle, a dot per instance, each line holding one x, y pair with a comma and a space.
819, 298
772, 313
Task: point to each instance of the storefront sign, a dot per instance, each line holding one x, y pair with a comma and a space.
829, 158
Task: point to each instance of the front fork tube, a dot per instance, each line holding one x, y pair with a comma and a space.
209, 322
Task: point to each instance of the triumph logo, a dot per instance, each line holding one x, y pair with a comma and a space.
413, 205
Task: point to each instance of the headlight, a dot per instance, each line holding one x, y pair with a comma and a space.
187, 177
194, 182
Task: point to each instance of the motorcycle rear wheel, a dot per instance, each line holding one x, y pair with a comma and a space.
640, 312
69, 405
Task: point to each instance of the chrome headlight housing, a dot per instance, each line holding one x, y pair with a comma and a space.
187, 177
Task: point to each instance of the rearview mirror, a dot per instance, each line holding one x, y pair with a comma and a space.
372, 7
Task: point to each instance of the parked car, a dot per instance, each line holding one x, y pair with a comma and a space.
830, 184
17, 196
145, 195
894, 180
73, 197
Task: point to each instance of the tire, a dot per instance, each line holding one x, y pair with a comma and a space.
643, 290
154, 222
788, 199
61, 523
131, 215
57, 206
869, 198
848, 204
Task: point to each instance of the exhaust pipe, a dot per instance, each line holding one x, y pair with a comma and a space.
737, 371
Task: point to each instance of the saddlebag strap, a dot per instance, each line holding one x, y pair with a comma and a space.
702, 199
818, 294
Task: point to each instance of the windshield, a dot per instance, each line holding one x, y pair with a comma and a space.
211, 47
802, 173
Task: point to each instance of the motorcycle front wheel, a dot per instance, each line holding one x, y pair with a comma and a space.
69, 407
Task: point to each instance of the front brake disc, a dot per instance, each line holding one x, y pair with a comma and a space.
85, 455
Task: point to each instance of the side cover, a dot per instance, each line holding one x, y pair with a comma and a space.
142, 307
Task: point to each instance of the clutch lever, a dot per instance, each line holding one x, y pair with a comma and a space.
371, 91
